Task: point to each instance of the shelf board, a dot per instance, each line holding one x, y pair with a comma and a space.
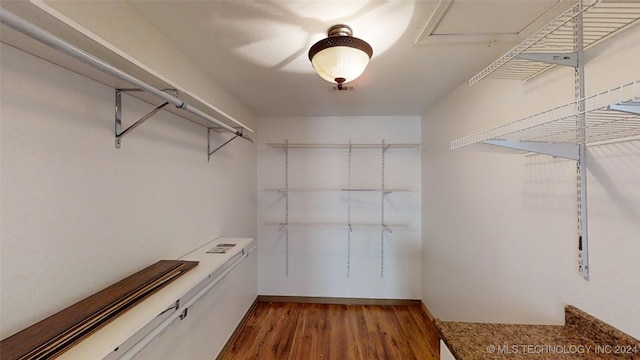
610, 115
344, 226
126, 330
340, 146
386, 190
601, 19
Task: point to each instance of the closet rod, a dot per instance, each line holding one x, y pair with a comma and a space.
17, 23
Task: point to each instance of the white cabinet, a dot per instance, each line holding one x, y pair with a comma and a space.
445, 353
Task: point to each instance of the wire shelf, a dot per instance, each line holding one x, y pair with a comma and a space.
610, 115
385, 190
601, 19
344, 226
341, 146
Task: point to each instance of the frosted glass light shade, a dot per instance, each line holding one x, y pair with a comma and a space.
340, 57
340, 62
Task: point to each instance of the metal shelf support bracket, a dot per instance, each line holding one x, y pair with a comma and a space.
119, 133
209, 151
563, 150
570, 59
631, 108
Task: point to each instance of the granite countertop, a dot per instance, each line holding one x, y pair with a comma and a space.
582, 337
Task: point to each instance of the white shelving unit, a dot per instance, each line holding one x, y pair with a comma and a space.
565, 131
382, 226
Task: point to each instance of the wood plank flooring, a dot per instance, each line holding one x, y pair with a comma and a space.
329, 331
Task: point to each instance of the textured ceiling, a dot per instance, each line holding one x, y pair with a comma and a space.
257, 50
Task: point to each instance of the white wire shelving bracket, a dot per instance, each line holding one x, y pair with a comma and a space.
554, 44
23, 26
566, 130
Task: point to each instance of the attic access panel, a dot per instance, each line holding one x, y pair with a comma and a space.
478, 21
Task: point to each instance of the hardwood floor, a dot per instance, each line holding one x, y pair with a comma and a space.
328, 331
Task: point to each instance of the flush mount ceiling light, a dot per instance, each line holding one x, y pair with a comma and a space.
340, 58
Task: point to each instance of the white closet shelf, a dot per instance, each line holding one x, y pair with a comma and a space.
340, 146
386, 190
345, 226
610, 115
146, 321
555, 43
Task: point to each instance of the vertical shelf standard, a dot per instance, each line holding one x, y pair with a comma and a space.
383, 148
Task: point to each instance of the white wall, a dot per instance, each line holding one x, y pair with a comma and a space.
500, 241
79, 215
318, 256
